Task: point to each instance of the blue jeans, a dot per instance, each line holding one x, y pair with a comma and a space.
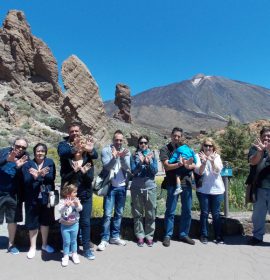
116, 199
260, 208
210, 203
186, 204
69, 235
85, 216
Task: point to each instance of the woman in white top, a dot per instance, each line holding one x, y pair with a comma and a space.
210, 188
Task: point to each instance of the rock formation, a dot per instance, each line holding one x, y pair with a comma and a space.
123, 102
132, 138
29, 89
26, 58
82, 102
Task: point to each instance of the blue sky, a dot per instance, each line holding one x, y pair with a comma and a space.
149, 43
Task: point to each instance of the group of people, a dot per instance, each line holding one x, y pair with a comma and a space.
32, 181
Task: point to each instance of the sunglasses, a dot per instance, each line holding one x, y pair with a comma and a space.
118, 140
141, 143
208, 146
20, 147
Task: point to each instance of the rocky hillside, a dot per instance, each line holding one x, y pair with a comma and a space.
31, 101
201, 103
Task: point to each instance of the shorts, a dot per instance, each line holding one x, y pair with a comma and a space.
38, 215
10, 209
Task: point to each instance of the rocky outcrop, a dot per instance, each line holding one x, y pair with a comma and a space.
29, 89
25, 58
132, 138
83, 102
123, 102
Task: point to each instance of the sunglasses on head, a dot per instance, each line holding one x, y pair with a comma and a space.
143, 142
208, 146
20, 147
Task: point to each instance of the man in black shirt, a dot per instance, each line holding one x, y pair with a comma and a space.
186, 196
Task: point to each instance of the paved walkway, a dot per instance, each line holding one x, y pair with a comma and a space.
235, 260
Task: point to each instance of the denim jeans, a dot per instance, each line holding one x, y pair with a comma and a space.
69, 235
260, 208
210, 203
186, 204
84, 222
115, 199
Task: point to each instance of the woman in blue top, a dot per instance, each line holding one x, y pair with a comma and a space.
39, 176
143, 191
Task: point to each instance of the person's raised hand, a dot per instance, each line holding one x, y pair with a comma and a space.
260, 145
33, 172
20, 162
44, 171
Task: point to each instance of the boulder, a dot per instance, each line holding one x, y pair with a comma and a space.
123, 102
132, 138
82, 102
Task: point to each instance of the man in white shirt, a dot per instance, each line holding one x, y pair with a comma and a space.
115, 159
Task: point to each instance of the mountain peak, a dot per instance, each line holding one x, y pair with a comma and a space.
197, 79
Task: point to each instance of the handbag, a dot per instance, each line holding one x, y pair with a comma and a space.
164, 183
53, 198
102, 183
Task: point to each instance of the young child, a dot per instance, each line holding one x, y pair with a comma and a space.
182, 152
69, 208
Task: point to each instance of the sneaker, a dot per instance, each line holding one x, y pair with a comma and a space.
187, 239
65, 260
48, 249
80, 241
89, 255
219, 240
166, 241
254, 241
13, 250
177, 191
31, 253
75, 258
204, 239
92, 245
140, 242
149, 242
102, 246
118, 241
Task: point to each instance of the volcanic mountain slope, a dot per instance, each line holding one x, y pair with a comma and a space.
201, 103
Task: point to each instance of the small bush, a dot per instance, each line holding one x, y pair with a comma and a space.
97, 208
54, 122
4, 133
26, 126
2, 112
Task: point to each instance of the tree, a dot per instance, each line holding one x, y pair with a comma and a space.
235, 143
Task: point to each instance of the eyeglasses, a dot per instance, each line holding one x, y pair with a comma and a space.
20, 147
118, 140
208, 146
141, 143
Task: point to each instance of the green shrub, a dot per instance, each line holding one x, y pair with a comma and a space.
54, 122
4, 143
2, 112
4, 133
26, 126
235, 143
97, 208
